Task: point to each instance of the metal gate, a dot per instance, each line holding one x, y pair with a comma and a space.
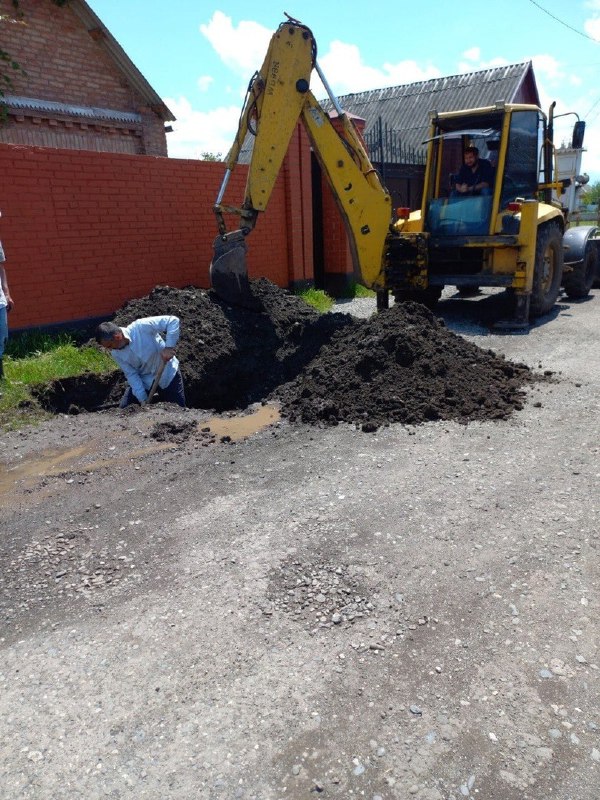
402, 168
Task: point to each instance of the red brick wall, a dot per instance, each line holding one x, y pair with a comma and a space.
83, 232
64, 64
298, 198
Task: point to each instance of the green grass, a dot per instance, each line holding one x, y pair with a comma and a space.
358, 290
35, 342
324, 302
318, 299
47, 358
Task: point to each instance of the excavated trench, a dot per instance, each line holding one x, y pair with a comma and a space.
401, 365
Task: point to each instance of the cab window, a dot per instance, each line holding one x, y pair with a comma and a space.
522, 157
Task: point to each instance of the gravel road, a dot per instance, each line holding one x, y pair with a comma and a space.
310, 612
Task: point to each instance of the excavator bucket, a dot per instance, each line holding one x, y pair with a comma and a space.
228, 270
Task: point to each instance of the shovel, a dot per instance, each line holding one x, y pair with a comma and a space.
154, 386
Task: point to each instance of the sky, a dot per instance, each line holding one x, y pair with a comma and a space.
200, 56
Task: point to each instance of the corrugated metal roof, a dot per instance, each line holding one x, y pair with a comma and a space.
405, 109
67, 110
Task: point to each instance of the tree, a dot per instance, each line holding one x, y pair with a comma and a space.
592, 193
211, 157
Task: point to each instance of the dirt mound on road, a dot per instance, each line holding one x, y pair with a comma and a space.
402, 365
232, 357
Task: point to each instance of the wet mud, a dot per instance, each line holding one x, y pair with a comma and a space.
402, 365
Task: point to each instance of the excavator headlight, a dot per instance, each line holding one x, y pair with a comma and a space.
403, 213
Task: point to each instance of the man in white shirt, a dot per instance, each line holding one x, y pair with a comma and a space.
140, 349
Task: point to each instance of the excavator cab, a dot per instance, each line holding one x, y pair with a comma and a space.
509, 140
447, 211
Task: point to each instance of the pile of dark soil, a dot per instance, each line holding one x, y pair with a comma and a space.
232, 357
401, 365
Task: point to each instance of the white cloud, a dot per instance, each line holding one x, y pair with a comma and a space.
555, 85
592, 28
346, 72
475, 66
241, 48
474, 54
196, 132
548, 67
204, 82
409, 72
473, 62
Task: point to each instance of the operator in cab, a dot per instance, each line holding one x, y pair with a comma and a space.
476, 175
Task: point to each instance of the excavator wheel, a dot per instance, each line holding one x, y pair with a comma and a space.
427, 297
579, 282
548, 270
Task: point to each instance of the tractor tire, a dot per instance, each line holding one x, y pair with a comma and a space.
427, 297
548, 270
579, 282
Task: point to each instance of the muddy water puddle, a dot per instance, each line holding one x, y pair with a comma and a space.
241, 427
91, 456
53, 463
48, 463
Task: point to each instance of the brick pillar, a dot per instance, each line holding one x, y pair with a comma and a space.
298, 197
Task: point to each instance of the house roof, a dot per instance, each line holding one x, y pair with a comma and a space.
85, 113
405, 109
100, 33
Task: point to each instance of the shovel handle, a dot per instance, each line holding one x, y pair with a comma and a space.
157, 378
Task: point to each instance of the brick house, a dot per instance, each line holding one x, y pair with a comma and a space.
79, 89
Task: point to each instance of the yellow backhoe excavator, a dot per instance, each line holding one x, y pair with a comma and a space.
514, 235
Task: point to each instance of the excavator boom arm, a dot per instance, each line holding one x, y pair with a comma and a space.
363, 202
271, 110
278, 97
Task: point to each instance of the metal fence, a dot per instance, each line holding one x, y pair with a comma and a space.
385, 146
584, 218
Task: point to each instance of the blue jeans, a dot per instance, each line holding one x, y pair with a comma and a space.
3, 329
173, 393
